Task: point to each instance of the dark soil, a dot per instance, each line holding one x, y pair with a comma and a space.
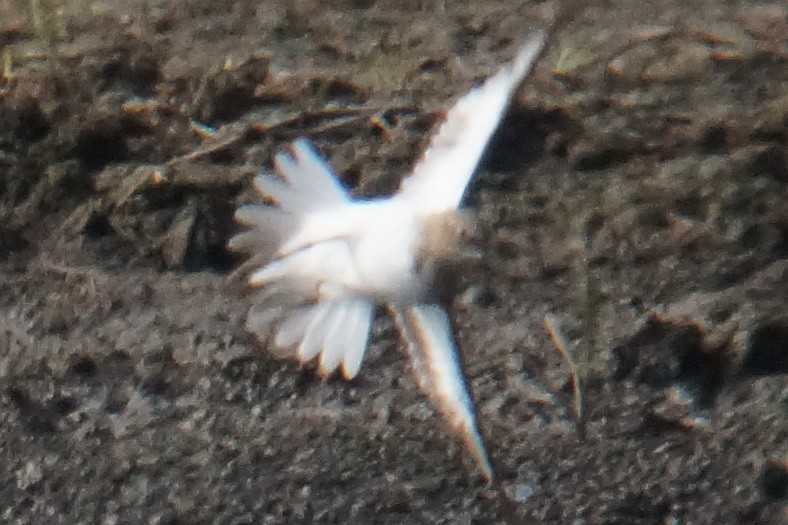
637, 193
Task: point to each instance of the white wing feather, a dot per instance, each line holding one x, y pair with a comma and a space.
438, 183
303, 181
301, 184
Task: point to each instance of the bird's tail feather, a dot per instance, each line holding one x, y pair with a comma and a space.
333, 331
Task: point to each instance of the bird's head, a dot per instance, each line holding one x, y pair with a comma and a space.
445, 250
444, 233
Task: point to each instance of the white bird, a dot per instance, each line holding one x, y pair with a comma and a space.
331, 258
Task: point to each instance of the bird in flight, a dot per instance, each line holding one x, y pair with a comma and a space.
328, 259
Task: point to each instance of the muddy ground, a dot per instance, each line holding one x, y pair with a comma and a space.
637, 193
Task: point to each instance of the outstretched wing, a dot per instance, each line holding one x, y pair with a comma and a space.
302, 183
306, 182
438, 182
426, 330
306, 307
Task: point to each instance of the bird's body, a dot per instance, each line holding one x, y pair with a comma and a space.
330, 258
381, 237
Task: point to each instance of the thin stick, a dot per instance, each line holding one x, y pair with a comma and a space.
578, 402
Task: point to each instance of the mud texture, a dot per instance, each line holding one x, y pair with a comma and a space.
637, 192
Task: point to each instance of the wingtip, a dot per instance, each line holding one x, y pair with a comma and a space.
242, 243
478, 450
284, 164
249, 214
305, 152
528, 52
302, 144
